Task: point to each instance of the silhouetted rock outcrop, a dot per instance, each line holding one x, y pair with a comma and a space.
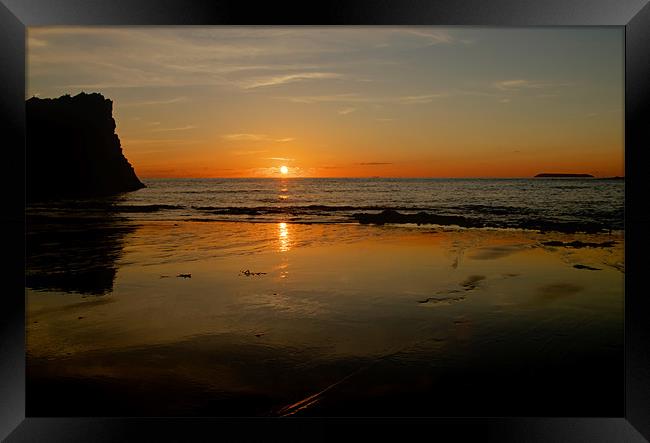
72, 149
390, 216
421, 218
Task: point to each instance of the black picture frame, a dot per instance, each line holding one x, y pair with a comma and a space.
634, 15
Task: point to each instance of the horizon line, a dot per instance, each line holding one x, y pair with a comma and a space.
366, 177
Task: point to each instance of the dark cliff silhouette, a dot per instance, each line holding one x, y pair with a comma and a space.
73, 150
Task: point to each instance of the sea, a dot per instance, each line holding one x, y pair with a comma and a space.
275, 300
494, 203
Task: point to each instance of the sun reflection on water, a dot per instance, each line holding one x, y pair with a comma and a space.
283, 237
283, 192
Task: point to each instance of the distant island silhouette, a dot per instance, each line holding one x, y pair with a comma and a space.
553, 174
73, 150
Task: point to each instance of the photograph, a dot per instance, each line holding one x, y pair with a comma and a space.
325, 221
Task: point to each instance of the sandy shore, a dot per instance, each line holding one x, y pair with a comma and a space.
190, 318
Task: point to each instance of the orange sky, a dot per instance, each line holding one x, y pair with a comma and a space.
348, 101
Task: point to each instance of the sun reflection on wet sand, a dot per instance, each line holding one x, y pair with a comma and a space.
284, 273
385, 305
283, 237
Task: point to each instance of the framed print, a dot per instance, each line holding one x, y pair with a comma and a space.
296, 219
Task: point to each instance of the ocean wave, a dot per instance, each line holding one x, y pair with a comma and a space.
476, 217
144, 208
551, 205
297, 209
221, 191
537, 224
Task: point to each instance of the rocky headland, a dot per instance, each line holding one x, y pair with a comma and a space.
72, 149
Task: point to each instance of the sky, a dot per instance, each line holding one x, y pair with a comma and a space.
348, 101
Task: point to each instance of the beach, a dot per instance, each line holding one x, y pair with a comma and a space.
326, 222
272, 319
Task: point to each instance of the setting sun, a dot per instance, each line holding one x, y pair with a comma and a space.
284, 170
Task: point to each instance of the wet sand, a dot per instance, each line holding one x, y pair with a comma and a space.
227, 319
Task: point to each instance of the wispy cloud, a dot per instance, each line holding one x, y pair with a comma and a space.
284, 159
256, 138
420, 99
156, 102
506, 87
519, 84
119, 58
110, 58
252, 152
374, 163
244, 137
287, 78
181, 128
152, 141
358, 98
332, 98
